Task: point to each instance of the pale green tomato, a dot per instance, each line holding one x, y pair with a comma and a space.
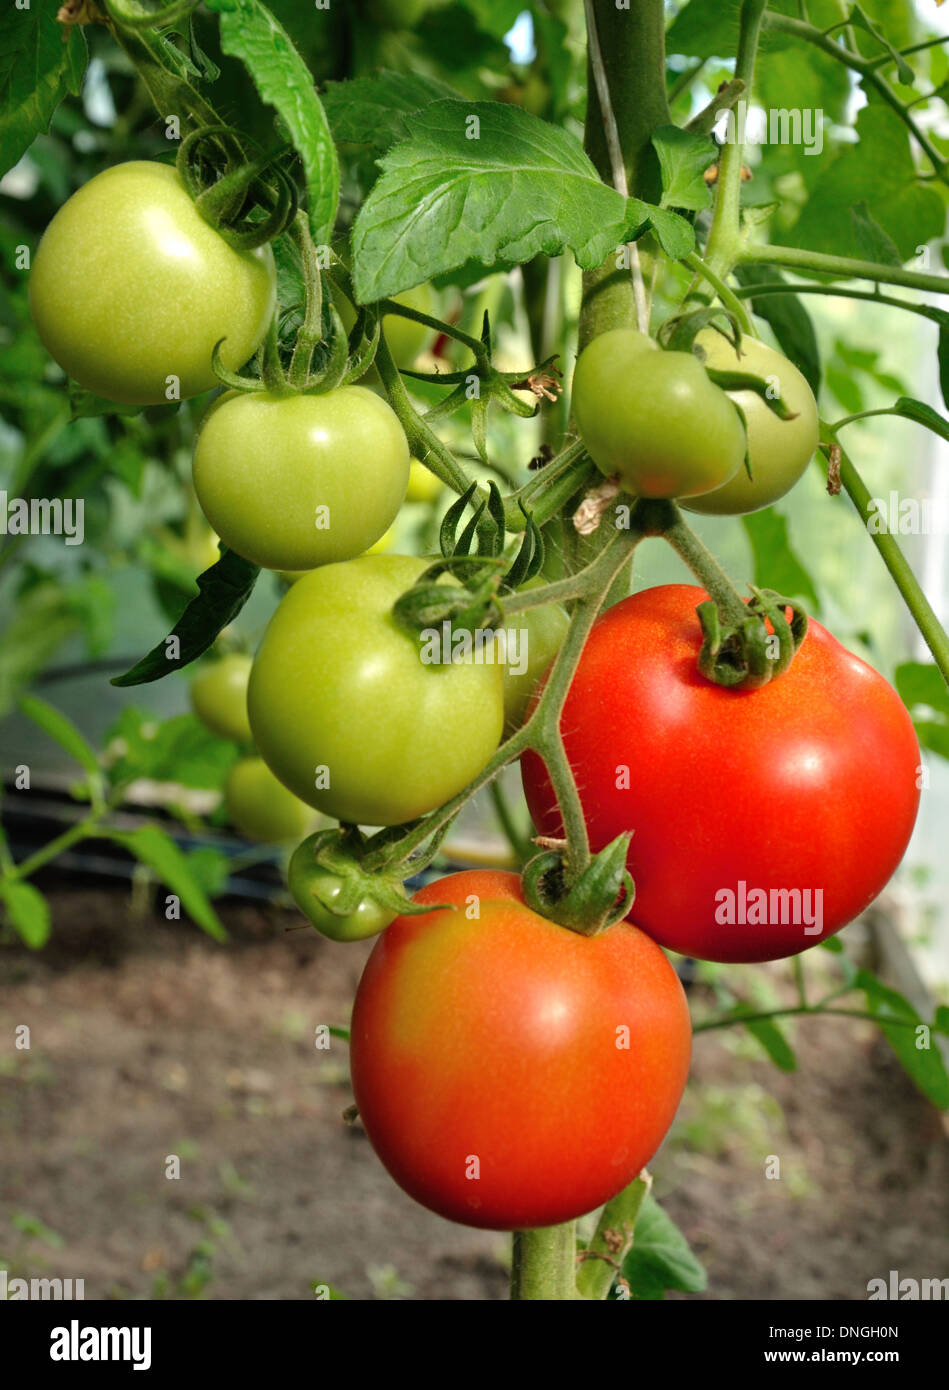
261, 807
779, 450
540, 636
423, 485
346, 712
654, 418
219, 697
131, 289
291, 482
404, 337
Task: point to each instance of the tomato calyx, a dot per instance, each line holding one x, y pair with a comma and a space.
330, 862
747, 653
228, 186
599, 897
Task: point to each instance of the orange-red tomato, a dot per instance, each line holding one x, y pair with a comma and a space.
511, 1073
763, 820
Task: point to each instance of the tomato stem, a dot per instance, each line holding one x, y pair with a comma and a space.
603, 1257
311, 329
705, 567
543, 1263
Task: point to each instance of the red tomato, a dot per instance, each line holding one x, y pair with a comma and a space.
511, 1073
808, 784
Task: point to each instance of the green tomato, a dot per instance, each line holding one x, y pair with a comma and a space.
130, 287
405, 337
314, 887
262, 808
219, 697
779, 450
291, 482
541, 633
654, 417
423, 485
346, 712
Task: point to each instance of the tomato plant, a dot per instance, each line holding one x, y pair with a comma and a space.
743, 848
479, 1141
291, 482
709, 770
348, 715
654, 417
131, 289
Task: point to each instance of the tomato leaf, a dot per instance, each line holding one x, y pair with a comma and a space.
661, 1257
251, 33
776, 564
27, 911
872, 240
488, 182
683, 159
61, 728
857, 19
222, 592
152, 847
178, 750
789, 320
41, 62
769, 1035
371, 110
911, 1039
923, 414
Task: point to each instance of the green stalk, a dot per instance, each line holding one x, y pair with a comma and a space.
542, 1268
632, 50
613, 1237
892, 556
795, 258
724, 239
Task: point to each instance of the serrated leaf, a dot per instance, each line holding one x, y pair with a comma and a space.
521, 188
776, 565
769, 1035
222, 592
371, 110
27, 910
789, 320
661, 1257
40, 63
674, 233
683, 159
858, 19
251, 33
152, 847
924, 1065
61, 728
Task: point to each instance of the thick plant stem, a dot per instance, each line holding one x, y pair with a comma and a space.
612, 1239
632, 47
725, 236
542, 1268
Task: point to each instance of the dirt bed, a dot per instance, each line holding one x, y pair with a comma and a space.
148, 1041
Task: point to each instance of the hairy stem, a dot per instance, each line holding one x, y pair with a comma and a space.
542, 1269
613, 1238
724, 239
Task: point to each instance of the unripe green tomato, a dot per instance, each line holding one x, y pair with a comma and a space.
262, 808
405, 337
348, 714
423, 485
219, 697
544, 630
779, 450
654, 417
291, 482
130, 286
312, 886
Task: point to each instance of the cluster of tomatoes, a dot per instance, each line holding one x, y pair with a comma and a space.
511, 1073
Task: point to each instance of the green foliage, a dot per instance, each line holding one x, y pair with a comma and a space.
37, 69
661, 1258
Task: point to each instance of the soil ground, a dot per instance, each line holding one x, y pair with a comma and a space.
148, 1040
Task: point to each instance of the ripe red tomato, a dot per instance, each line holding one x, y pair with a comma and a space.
808, 784
511, 1073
